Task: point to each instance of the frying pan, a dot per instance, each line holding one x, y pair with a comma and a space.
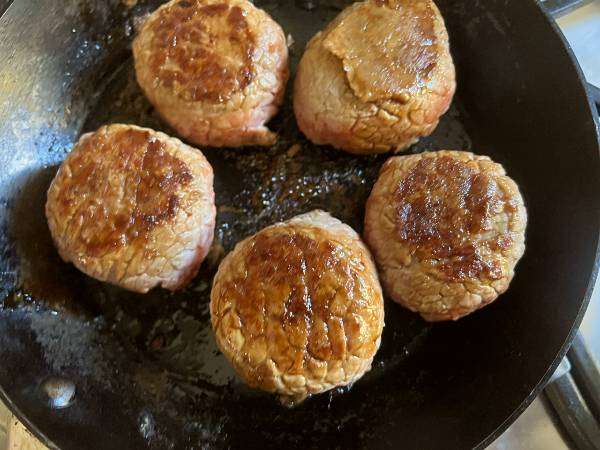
145, 369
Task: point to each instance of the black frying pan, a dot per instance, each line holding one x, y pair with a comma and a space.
145, 368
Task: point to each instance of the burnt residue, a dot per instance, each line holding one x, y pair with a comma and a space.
8, 255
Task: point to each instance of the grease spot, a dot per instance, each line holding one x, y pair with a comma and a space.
59, 391
147, 425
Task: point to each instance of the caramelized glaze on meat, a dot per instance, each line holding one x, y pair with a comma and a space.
447, 229
301, 268
443, 206
202, 51
377, 78
394, 52
133, 207
150, 197
298, 307
215, 70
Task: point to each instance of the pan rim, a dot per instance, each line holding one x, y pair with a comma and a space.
595, 119
6, 5
31, 427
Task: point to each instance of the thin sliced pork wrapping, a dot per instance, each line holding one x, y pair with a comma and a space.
378, 78
133, 207
214, 69
297, 308
446, 229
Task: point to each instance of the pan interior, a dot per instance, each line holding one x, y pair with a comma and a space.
146, 367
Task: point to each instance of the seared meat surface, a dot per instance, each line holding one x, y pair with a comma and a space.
377, 78
133, 207
214, 69
297, 308
447, 229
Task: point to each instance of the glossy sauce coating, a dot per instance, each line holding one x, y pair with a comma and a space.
150, 196
202, 52
447, 229
299, 268
388, 49
442, 207
298, 308
133, 207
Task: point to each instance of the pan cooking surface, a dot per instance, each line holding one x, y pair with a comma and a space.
146, 368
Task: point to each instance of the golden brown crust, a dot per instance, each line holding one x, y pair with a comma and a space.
364, 87
394, 52
155, 179
214, 69
447, 229
298, 308
190, 39
443, 205
127, 198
